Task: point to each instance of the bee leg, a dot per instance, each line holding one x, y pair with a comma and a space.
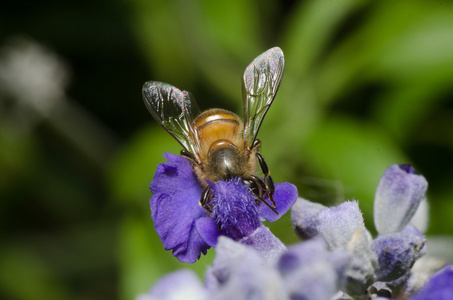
260, 186
256, 144
186, 154
257, 185
206, 197
269, 183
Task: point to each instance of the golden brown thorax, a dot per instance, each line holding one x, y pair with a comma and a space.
222, 150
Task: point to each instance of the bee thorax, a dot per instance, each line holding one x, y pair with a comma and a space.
225, 162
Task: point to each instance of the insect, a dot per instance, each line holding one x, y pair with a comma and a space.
217, 142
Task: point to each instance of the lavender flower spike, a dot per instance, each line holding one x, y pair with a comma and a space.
397, 197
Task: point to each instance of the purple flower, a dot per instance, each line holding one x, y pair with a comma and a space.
311, 271
343, 229
439, 286
174, 208
304, 217
234, 209
239, 272
268, 246
398, 196
337, 225
187, 228
396, 252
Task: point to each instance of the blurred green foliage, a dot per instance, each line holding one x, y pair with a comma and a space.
367, 84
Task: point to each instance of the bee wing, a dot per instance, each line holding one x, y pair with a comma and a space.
259, 86
174, 110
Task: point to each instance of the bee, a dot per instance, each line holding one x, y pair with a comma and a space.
217, 142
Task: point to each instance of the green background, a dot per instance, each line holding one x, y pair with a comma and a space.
367, 84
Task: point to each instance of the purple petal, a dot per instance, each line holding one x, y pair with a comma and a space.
310, 252
411, 229
421, 216
398, 196
338, 224
302, 254
310, 271
316, 283
239, 272
396, 253
229, 256
439, 286
234, 208
342, 228
188, 287
175, 208
304, 217
265, 243
360, 272
285, 196
208, 230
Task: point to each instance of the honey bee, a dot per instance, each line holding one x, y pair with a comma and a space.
217, 142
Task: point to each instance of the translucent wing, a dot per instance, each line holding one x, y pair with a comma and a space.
174, 110
259, 86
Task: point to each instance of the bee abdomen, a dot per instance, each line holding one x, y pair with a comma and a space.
217, 124
215, 115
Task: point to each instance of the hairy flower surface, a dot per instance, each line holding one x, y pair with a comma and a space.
187, 228
397, 198
397, 252
240, 272
342, 228
311, 271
